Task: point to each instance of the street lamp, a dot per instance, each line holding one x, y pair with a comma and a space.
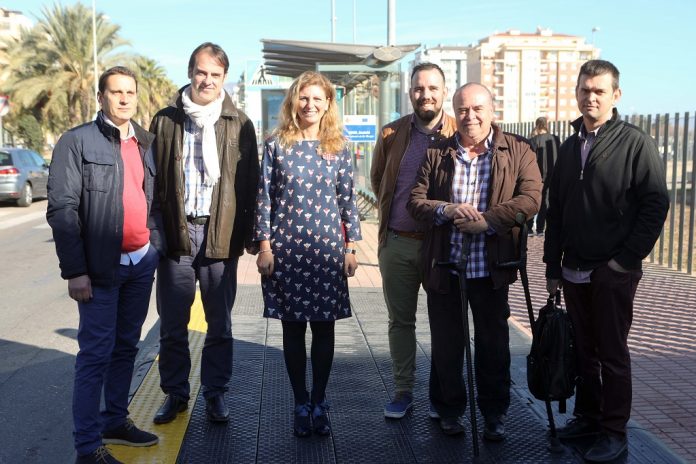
594, 29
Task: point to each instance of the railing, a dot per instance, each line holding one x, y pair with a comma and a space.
674, 136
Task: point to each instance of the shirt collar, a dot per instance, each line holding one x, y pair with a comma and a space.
488, 144
131, 130
584, 134
437, 127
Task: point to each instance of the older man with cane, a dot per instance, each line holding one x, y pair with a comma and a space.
472, 185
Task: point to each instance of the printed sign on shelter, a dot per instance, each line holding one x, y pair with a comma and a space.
360, 127
4, 105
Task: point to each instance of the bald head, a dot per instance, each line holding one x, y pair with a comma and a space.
474, 87
473, 109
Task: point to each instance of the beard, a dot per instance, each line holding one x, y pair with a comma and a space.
424, 115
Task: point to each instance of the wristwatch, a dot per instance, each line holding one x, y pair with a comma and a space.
350, 251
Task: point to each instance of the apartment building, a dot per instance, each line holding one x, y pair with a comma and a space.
12, 22
530, 74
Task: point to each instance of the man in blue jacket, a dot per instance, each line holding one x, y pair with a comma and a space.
608, 203
107, 235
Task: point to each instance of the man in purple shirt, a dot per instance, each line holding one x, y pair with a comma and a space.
398, 154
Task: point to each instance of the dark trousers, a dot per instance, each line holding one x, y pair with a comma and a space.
490, 311
176, 291
108, 336
601, 312
541, 215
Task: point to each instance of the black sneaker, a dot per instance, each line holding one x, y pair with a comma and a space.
577, 428
100, 455
128, 434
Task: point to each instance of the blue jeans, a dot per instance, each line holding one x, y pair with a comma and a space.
108, 335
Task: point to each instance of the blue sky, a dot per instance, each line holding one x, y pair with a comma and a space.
652, 43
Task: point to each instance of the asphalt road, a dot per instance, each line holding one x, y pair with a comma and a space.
38, 326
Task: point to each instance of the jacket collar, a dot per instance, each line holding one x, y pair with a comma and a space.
499, 142
112, 133
228, 108
577, 124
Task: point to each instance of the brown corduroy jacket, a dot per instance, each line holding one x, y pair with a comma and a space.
515, 186
386, 161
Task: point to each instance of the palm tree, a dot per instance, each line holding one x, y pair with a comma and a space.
155, 89
50, 66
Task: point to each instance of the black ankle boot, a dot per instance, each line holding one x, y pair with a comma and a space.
320, 418
302, 426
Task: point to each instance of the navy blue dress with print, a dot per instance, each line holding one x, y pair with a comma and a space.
305, 205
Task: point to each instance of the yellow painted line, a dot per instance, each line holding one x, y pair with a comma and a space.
149, 398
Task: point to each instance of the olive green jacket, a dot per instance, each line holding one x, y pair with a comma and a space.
234, 195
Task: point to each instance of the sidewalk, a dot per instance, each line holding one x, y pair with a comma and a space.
260, 397
663, 349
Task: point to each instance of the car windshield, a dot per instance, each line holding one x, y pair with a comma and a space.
5, 159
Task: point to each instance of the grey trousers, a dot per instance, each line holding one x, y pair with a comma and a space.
176, 291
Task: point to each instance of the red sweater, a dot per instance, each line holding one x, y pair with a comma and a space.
135, 231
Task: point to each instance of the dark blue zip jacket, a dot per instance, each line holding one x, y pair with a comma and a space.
85, 200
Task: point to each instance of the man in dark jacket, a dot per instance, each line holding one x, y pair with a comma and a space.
107, 231
608, 202
472, 186
546, 147
208, 168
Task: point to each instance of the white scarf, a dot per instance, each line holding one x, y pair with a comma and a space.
205, 117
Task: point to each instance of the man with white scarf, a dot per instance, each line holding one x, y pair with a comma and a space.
207, 169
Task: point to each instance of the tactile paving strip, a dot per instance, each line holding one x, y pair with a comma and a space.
149, 397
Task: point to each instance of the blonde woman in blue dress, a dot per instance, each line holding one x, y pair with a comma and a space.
306, 227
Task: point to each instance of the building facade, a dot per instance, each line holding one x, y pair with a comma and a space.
12, 22
530, 74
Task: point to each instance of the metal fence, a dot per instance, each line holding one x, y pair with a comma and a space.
674, 136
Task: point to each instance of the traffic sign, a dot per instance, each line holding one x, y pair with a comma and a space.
360, 127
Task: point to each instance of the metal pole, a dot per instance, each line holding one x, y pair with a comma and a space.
333, 20
94, 56
355, 40
391, 22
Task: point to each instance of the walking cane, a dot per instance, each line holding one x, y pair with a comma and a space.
521, 264
460, 268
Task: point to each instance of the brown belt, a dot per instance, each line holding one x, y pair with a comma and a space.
413, 235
